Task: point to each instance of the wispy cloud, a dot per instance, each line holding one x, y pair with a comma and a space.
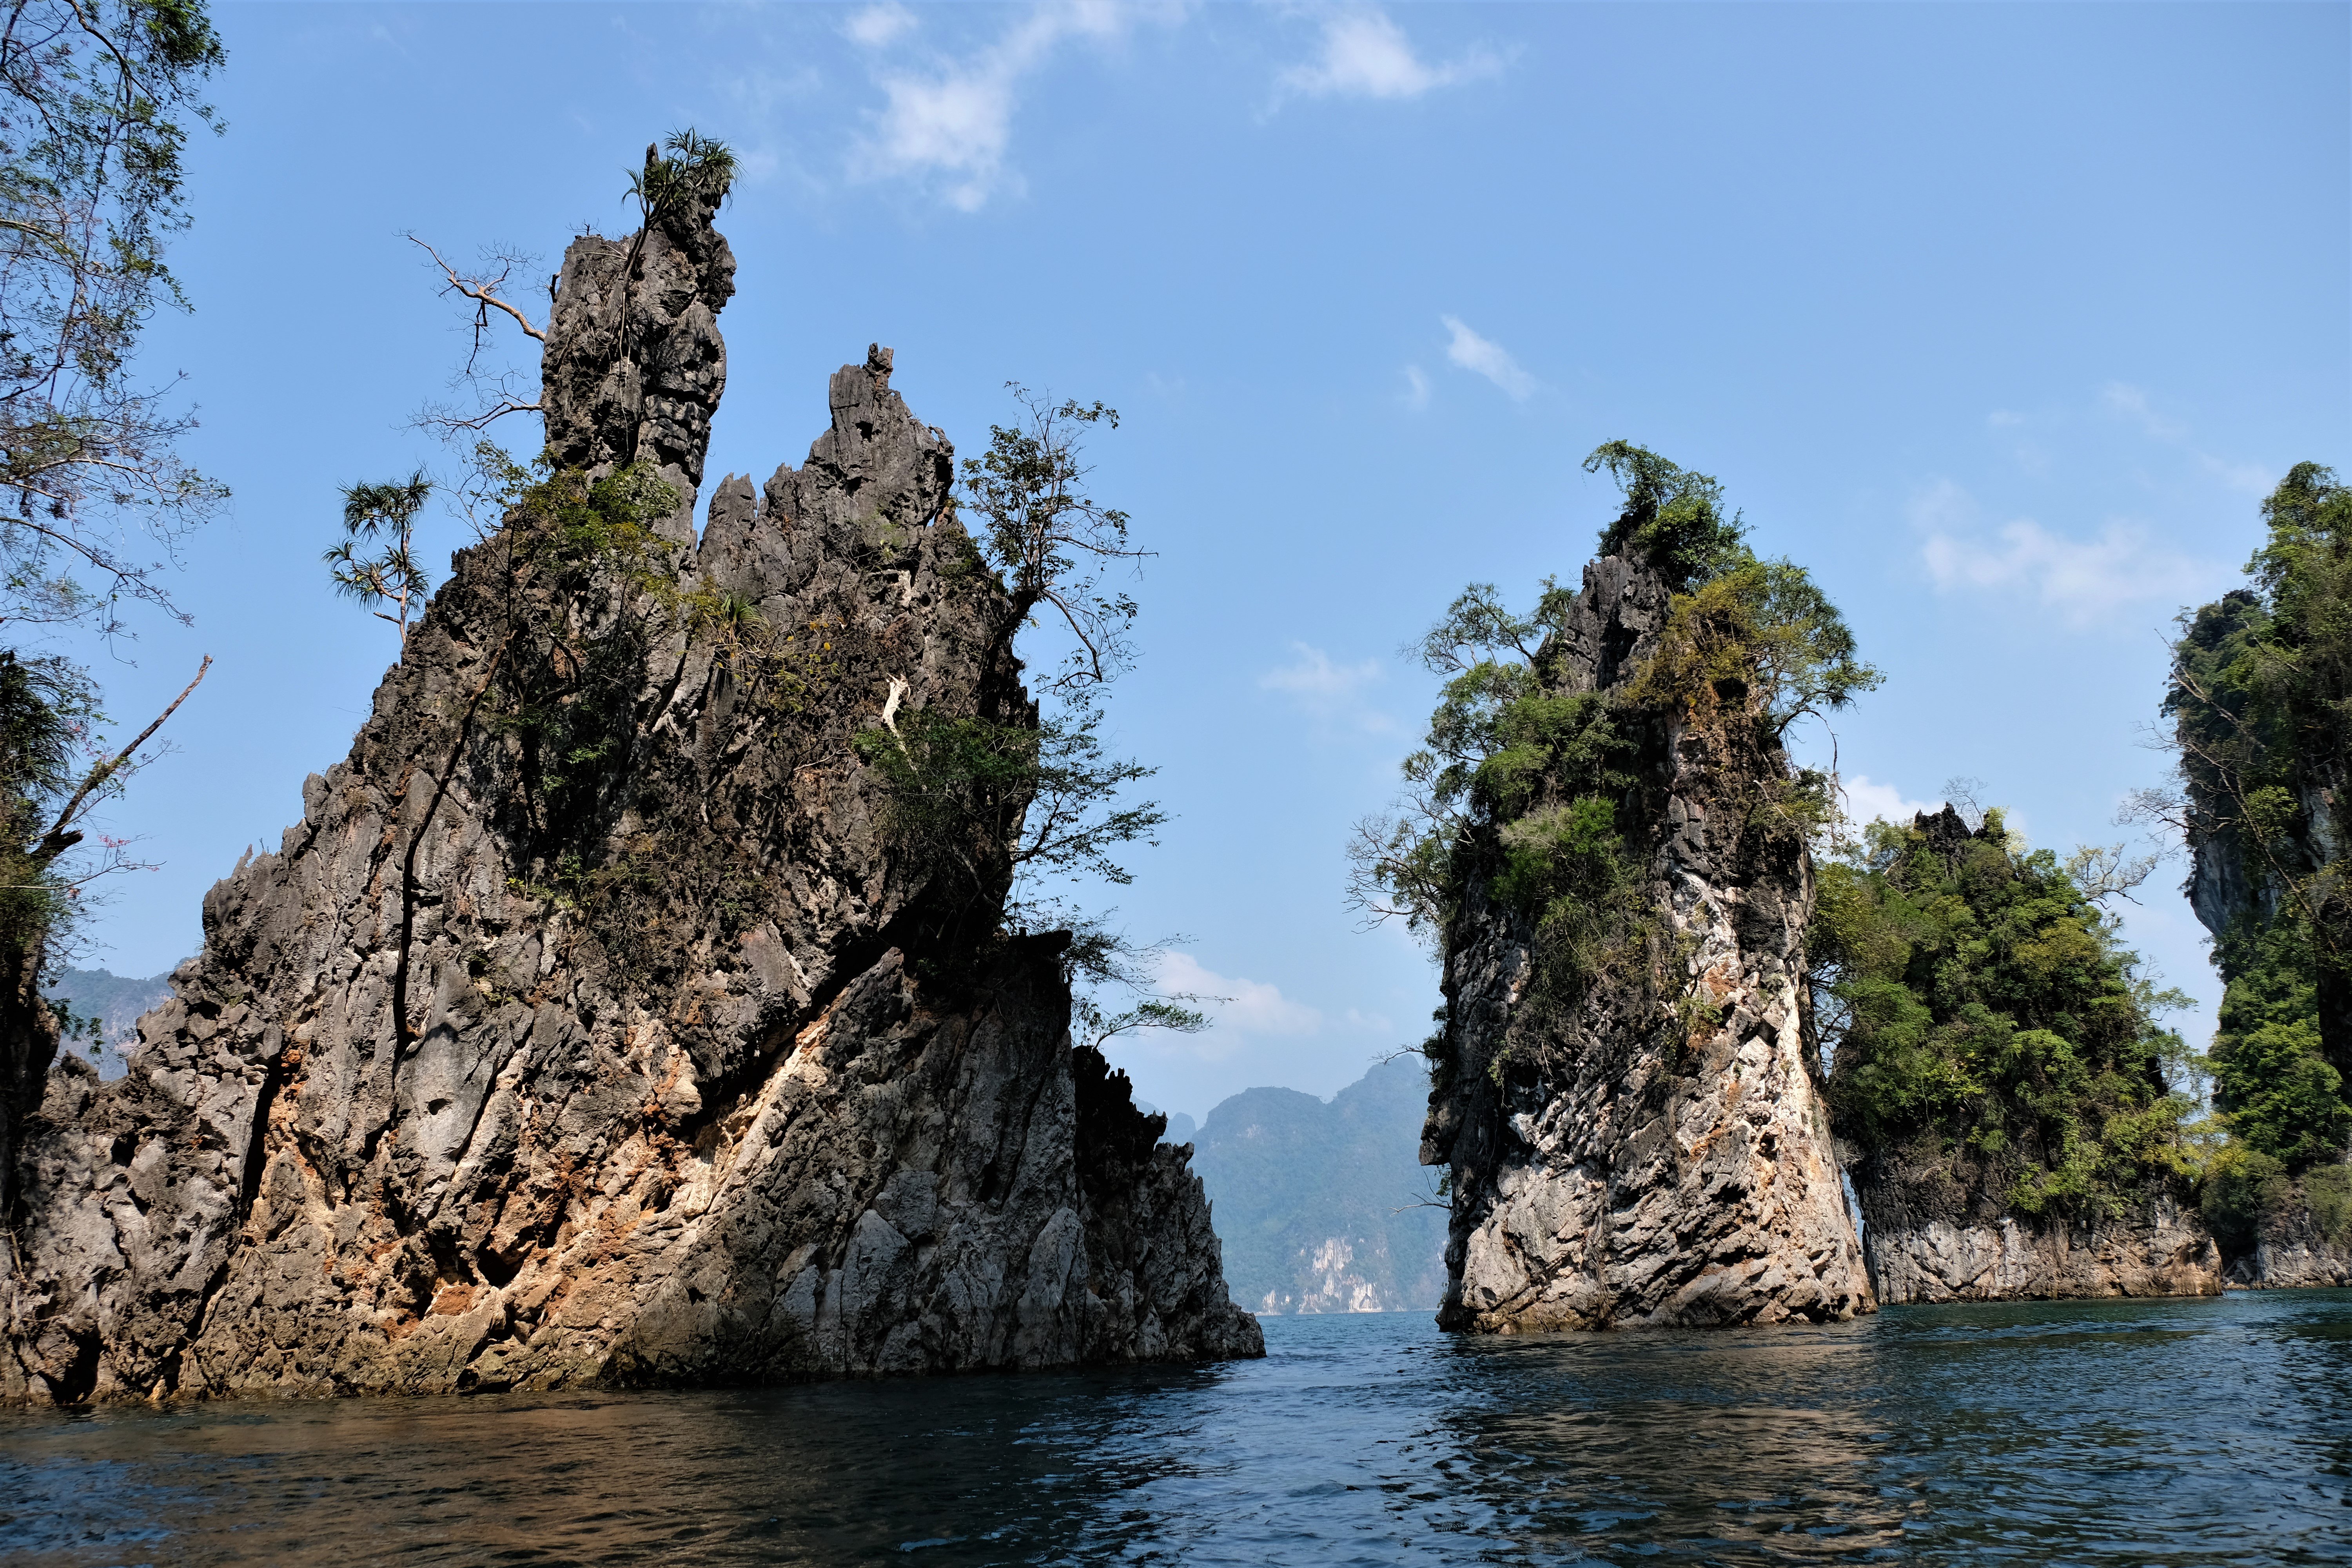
1866, 800
1363, 54
1245, 1009
1416, 387
2083, 581
1331, 693
951, 122
1487, 358
877, 25
2133, 406
2130, 402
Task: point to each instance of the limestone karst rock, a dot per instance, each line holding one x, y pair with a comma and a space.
589, 1028
1635, 1161
1939, 1223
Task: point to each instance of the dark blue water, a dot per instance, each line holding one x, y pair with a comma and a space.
2214, 1431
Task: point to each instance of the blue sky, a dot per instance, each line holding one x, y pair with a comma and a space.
1999, 318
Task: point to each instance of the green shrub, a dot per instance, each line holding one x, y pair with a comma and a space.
2328, 1190
2240, 1187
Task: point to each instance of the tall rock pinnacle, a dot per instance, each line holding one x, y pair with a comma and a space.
1646, 1155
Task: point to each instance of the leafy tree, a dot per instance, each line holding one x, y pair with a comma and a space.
1050, 545
96, 97
383, 515
1050, 541
1982, 1016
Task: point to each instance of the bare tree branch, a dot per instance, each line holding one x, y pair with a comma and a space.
481, 290
59, 839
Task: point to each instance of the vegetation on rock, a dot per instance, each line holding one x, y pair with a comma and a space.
1983, 1019
2261, 703
1540, 792
1046, 543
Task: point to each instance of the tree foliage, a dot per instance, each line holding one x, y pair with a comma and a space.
96, 100
2261, 703
1980, 1012
382, 516
1015, 815
1534, 787
1050, 542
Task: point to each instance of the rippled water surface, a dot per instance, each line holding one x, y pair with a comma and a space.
2168, 1432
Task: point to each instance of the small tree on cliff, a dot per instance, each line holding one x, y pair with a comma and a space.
382, 516
683, 168
1052, 546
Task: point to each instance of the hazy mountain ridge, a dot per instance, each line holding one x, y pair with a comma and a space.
1317, 1204
116, 1001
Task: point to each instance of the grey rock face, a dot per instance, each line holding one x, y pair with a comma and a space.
589, 1029
2162, 1250
1629, 1169
2290, 1251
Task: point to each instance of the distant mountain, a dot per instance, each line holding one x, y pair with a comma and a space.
116, 1002
1311, 1199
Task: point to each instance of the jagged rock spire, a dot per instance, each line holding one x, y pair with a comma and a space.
586, 1029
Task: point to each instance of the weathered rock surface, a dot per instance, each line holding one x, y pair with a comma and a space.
2162, 1250
1628, 1168
2290, 1251
589, 1028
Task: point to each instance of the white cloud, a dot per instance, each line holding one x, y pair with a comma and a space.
954, 121
1866, 800
1489, 358
877, 25
1332, 694
2252, 479
1416, 387
2128, 401
2083, 581
1365, 55
1247, 1007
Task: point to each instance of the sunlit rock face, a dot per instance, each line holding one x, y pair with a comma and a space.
666, 1069
2157, 1250
1636, 1163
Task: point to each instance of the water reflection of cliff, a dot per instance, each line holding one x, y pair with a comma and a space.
1746, 1446
960, 1470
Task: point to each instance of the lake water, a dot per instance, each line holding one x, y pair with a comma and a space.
2215, 1431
